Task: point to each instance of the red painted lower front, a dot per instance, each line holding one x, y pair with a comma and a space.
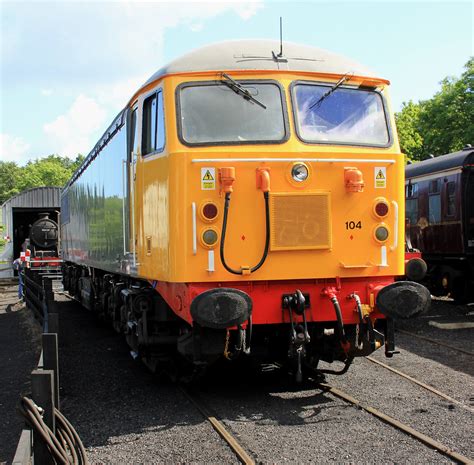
267, 297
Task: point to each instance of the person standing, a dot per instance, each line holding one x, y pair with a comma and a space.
18, 265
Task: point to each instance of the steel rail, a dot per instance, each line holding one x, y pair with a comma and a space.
427, 440
434, 341
238, 450
420, 383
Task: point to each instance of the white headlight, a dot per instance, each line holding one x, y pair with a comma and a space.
299, 172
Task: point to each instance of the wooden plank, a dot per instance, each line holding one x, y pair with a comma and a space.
51, 360
42, 387
53, 323
23, 450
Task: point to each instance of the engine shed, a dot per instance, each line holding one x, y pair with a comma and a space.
18, 214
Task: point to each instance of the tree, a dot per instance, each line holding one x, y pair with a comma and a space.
53, 170
447, 119
408, 121
442, 124
9, 180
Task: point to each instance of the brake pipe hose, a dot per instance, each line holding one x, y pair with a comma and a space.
267, 235
340, 325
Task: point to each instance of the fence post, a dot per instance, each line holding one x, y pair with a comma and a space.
51, 361
53, 322
42, 387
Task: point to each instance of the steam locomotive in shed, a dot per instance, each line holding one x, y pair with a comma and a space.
440, 217
245, 202
42, 243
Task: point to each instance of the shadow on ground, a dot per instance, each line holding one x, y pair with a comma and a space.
19, 349
441, 313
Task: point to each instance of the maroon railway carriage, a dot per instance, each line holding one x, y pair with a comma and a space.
440, 215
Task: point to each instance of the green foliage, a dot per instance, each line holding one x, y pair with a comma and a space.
442, 124
49, 171
411, 141
9, 180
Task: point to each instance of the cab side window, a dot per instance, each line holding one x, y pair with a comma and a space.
134, 131
153, 124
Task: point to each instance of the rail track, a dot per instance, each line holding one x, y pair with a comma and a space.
435, 341
218, 426
423, 438
245, 458
420, 383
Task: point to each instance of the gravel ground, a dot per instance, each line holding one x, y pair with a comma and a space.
122, 413
307, 426
19, 349
126, 415
274, 421
270, 423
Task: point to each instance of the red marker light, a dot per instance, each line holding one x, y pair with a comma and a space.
209, 211
381, 208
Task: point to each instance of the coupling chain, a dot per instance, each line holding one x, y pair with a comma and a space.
359, 344
226, 346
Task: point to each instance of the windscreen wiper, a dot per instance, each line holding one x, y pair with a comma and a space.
339, 83
239, 89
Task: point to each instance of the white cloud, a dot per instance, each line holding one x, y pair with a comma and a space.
13, 149
120, 46
73, 132
196, 27
116, 95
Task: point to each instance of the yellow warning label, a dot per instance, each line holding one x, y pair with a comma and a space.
380, 177
208, 179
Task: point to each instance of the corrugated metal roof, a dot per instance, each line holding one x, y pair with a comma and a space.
36, 197
261, 55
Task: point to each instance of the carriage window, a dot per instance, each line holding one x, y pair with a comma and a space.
434, 208
434, 187
411, 210
153, 124
411, 190
212, 113
451, 198
344, 116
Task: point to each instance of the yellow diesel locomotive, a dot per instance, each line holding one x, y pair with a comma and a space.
247, 201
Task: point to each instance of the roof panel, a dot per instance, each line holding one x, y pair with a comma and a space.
37, 197
441, 163
257, 55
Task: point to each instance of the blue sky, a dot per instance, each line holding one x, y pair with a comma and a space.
67, 67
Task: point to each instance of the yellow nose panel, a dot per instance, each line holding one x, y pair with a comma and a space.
300, 221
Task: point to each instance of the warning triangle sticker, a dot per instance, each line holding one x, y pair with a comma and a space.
380, 175
208, 176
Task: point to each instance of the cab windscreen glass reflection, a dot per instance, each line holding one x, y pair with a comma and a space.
216, 114
346, 116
